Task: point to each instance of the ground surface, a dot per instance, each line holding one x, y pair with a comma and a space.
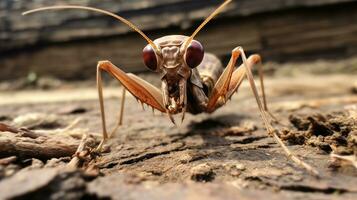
226, 155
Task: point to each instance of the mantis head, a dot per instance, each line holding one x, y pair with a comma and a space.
174, 57
175, 63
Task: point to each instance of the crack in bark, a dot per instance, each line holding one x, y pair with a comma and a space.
139, 157
299, 187
146, 156
309, 189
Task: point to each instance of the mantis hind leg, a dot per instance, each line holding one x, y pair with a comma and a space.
239, 75
227, 85
237, 78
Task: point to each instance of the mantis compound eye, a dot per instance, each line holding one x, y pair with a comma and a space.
150, 59
194, 54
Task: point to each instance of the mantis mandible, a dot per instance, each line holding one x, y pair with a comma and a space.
192, 81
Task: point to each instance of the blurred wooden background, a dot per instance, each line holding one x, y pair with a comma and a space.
68, 44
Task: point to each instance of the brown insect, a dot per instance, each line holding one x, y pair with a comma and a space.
192, 81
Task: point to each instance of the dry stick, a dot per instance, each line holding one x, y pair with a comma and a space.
43, 144
72, 125
7, 128
8, 160
73, 164
350, 159
83, 158
60, 130
268, 127
36, 145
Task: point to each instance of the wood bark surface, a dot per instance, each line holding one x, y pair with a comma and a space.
225, 155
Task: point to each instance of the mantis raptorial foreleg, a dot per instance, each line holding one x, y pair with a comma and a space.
229, 82
140, 89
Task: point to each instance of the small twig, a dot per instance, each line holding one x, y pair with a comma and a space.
79, 154
68, 130
8, 128
83, 158
23, 131
352, 159
35, 144
8, 160
72, 125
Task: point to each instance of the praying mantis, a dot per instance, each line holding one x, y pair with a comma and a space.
192, 80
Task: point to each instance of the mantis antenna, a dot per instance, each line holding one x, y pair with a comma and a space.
131, 25
209, 18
